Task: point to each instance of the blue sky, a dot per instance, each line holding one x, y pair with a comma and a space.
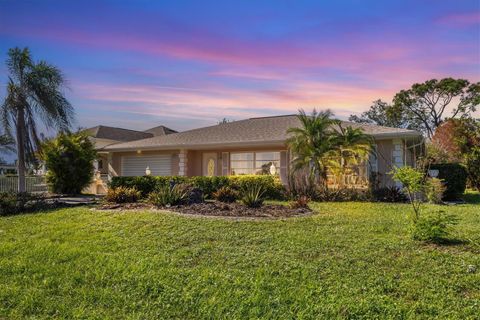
184, 64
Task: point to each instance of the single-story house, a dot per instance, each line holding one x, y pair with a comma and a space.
251, 146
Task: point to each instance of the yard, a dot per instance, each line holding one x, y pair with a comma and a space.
348, 260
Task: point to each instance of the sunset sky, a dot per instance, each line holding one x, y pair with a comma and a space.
187, 64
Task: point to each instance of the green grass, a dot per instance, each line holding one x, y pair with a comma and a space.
349, 260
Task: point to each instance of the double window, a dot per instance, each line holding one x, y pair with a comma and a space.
254, 163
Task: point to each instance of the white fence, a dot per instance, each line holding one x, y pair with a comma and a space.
33, 184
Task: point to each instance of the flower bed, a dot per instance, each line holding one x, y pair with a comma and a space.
218, 209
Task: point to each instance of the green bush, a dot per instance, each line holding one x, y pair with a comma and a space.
208, 185
166, 195
69, 160
472, 163
433, 227
226, 194
342, 194
21, 202
454, 175
253, 195
122, 195
434, 190
389, 194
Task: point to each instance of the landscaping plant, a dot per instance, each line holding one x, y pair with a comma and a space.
22, 202
122, 195
253, 196
434, 228
167, 196
434, 190
69, 160
300, 202
226, 194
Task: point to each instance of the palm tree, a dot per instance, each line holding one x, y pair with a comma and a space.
6, 144
33, 94
353, 147
322, 143
312, 142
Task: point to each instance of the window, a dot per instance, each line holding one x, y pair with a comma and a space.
254, 162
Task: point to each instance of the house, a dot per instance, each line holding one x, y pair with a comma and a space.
251, 146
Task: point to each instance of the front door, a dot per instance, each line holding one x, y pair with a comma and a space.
209, 167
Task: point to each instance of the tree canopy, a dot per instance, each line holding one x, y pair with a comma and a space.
425, 105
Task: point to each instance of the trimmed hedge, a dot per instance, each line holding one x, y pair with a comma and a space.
209, 185
454, 175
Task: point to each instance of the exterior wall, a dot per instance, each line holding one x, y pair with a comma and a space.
116, 160
390, 152
195, 158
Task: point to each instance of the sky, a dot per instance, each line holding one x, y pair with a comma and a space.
186, 64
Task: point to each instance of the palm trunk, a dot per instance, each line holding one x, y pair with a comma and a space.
21, 149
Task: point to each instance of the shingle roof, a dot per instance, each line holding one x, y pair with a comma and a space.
118, 134
160, 131
250, 131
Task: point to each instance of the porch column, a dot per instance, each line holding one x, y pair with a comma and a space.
182, 162
398, 156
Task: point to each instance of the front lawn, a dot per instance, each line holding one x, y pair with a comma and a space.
349, 260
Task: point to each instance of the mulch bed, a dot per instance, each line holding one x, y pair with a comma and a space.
218, 209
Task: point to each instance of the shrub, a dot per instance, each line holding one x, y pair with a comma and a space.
389, 194
454, 175
167, 196
300, 202
253, 195
226, 194
122, 195
433, 227
193, 194
434, 190
208, 185
21, 202
69, 160
301, 183
342, 194
472, 163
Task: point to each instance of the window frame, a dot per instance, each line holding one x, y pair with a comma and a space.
254, 161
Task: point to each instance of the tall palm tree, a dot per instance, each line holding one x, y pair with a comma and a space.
34, 92
312, 142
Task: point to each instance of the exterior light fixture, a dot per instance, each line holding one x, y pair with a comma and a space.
148, 171
433, 173
273, 170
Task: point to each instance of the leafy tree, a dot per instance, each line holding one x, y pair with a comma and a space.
413, 181
69, 161
320, 140
428, 102
33, 93
425, 106
384, 114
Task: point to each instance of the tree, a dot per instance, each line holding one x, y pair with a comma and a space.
33, 93
384, 114
69, 161
425, 106
312, 142
6, 144
352, 147
320, 140
427, 102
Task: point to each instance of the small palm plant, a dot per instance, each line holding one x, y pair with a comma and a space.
253, 195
